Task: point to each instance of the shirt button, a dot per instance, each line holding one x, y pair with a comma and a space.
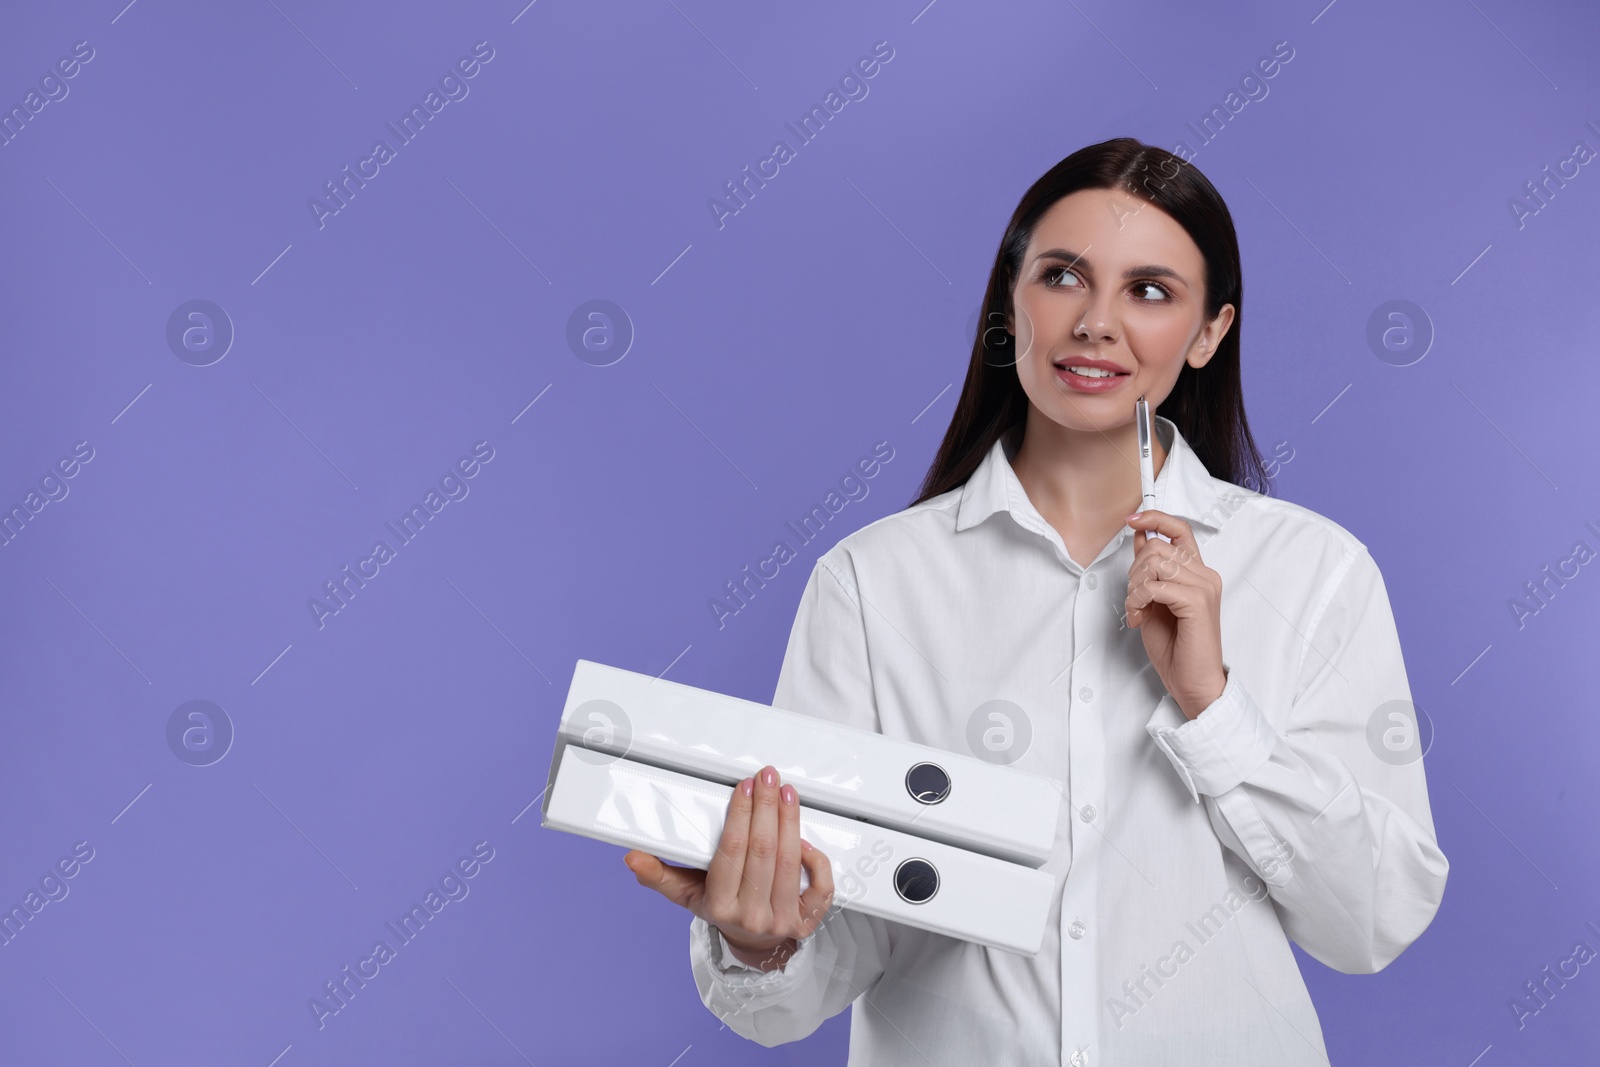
1086, 694
1087, 813
1091, 581
1080, 1058
1077, 930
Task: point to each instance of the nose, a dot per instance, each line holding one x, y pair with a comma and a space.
1099, 322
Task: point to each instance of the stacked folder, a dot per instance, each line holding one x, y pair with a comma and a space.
915, 834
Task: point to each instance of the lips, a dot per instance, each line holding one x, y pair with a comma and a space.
1095, 364
1081, 383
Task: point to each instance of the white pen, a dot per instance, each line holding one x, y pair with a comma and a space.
1147, 458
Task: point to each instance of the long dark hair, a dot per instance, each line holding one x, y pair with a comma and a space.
1207, 405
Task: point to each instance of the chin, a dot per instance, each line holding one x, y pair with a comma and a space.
1092, 413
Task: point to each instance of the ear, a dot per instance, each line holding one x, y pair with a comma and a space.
1210, 338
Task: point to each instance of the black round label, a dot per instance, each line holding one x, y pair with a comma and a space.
928, 783
916, 880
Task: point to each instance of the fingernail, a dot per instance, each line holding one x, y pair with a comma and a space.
1135, 515
748, 786
805, 845
787, 792
769, 776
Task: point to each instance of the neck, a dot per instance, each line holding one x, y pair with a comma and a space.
1087, 479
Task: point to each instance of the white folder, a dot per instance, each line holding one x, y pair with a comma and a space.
930, 792
876, 871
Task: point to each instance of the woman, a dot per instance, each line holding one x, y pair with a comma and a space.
1226, 710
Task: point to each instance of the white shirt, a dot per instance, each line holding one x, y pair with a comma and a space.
1188, 853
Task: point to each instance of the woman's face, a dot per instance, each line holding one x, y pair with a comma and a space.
1113, 280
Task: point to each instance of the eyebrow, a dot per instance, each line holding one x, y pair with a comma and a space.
1075, 259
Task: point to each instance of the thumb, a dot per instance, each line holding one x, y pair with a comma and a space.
674, 883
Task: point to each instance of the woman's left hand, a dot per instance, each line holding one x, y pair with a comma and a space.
1175, 601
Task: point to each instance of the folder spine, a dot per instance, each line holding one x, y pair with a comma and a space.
876, 870
943, 796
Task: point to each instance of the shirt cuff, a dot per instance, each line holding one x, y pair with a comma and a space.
722, 955
728, 966
1219, 748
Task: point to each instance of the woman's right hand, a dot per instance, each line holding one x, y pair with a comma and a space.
752, 890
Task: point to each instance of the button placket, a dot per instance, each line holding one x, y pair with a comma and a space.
1080, 999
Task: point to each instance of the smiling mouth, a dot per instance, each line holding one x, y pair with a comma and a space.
1091, 373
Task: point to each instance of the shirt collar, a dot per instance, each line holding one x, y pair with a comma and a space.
1183, 488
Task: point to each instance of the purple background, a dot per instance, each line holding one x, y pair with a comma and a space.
834, 311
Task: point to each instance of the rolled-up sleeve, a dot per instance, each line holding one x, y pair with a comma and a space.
1331, 810
826, 675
